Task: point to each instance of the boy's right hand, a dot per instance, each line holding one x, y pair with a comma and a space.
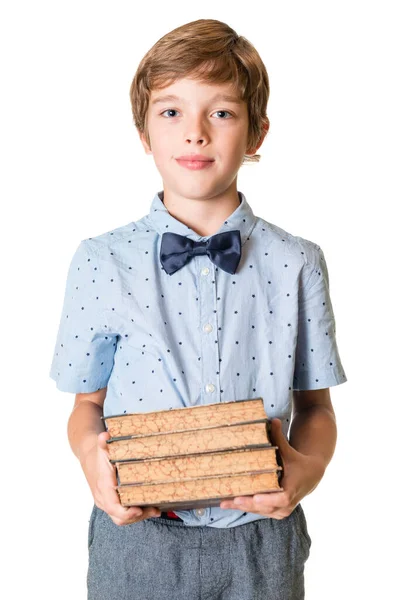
101, 476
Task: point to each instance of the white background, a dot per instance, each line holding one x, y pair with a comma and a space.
73, 167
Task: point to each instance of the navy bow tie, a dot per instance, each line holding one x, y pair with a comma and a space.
223, 249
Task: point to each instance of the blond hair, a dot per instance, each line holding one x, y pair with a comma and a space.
211, 52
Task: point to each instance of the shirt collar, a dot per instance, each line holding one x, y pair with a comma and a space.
242, 219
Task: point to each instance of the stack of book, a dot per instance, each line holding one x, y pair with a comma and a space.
193, 457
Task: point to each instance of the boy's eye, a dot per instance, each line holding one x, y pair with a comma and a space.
172, 110
169, 110
223, 111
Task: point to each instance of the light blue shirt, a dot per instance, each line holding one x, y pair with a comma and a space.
200, 335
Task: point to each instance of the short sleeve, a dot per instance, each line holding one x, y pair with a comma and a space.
83, 356
317, 363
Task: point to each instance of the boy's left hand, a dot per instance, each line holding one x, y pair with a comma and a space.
301, 475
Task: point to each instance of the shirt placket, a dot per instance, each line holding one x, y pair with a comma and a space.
210, 379
210, 392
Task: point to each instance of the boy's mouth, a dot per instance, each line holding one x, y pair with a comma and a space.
194, 161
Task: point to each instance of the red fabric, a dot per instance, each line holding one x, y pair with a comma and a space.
172, 514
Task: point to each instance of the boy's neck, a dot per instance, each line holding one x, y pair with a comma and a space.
204, 216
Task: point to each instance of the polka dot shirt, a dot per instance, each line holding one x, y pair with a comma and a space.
200, 335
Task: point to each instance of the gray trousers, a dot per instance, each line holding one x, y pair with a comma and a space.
162, 559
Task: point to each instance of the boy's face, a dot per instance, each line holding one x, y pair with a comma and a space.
197, 123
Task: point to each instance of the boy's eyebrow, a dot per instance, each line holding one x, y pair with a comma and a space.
224, 97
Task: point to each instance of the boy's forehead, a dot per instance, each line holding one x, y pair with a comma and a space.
185, 87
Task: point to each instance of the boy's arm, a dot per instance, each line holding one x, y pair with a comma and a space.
313, 428
85, 424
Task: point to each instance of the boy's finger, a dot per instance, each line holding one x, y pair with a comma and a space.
112, 499
122, 511
125, 512
102, 439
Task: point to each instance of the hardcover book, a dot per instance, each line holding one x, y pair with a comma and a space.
192, 457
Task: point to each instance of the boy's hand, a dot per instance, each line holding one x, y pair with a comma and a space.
102, 479
301, 475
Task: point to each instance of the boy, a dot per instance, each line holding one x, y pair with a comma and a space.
198, 302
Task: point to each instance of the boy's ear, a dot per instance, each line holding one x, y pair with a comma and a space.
146, 146
263, 134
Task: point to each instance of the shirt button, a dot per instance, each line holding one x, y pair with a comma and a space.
210, 387
205, 271
207, 328
200, 512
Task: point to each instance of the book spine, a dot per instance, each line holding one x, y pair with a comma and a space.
187, 430
187, 442
197, 465
218, 414
190, 491
199, 407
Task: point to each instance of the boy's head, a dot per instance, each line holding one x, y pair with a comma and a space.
194, 63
